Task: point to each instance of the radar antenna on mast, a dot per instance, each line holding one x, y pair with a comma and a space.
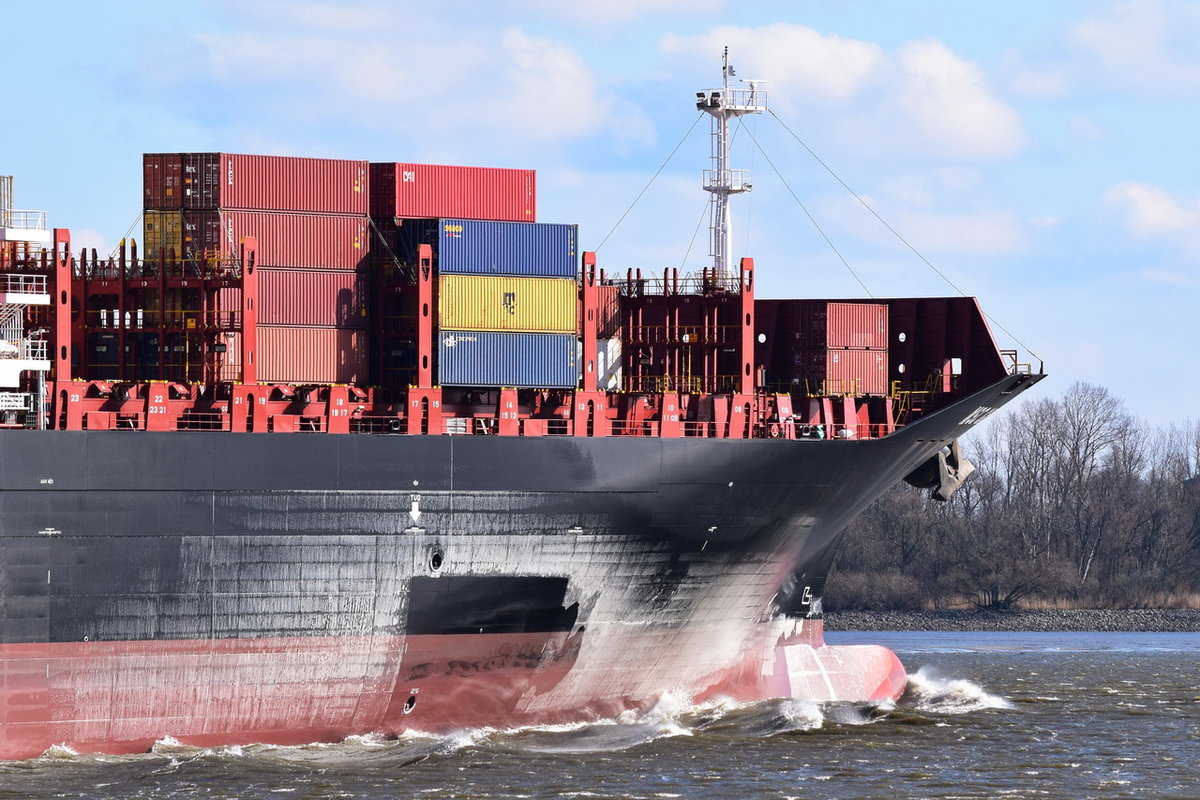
724, 104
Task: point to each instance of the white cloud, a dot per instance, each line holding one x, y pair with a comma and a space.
539, 90
609, 12
795, 59
334, 16
1151, 212
1039, 84
944, 211
948, 100
984, 232
334, 74
1167, 278
923, 98
923, 190
1148, 45
1086, 128
551, 90
87, 239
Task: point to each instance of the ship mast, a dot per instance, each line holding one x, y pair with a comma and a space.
723, 105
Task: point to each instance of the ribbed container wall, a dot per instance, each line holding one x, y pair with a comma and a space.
306, 298
311, 355
162, 231
608, 326
273, 183
844, 371
299, 241
162, 181
488, 303
522, 360
474, 247
857, 325
820, 324
309, 297
431, 190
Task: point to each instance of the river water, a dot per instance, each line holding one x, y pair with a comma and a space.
987, 715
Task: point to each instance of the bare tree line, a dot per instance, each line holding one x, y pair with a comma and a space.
1074, 503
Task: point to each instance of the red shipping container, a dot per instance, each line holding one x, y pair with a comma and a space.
162, 181
311, 355
817, 324
430, 190
271, 183
305, 297
854, 372
298, 241
858, 325
609, 324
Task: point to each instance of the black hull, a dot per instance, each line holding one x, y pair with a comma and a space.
565, 546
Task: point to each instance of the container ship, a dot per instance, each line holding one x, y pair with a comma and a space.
347, 448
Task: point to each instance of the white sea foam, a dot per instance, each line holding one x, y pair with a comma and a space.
932, 692
366, 740
466, 737
58, 752
666, 714
804, 715
170, 746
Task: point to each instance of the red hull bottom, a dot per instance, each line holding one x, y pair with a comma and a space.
122, 697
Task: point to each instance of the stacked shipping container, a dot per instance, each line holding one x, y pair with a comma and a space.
507, 297
506, 286
174, 181
429, 191
285, 239
480, 247
309, 216
507, 302
412, 198
830, 348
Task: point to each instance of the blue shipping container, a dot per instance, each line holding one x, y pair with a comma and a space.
479, 247
524, 360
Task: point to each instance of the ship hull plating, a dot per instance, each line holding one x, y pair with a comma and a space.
224, 588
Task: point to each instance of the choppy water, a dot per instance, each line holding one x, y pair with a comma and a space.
987, 715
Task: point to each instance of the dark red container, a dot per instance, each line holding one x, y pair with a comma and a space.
608, 326
311, 355
842, 371
312, 298
431, 190
817, 324
269, 183
162, 181
297, 241
857, 325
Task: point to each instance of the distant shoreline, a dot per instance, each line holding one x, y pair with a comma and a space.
1137, 620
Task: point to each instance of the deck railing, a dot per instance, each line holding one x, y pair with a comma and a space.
22, 220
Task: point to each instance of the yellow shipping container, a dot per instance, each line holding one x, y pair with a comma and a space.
518, 305
163, 231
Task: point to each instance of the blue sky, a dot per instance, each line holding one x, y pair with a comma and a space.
1040, 155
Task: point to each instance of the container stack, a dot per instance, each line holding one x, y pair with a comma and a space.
310, 217
507, 298
507, 303
835, 348
404, 195
431, 191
